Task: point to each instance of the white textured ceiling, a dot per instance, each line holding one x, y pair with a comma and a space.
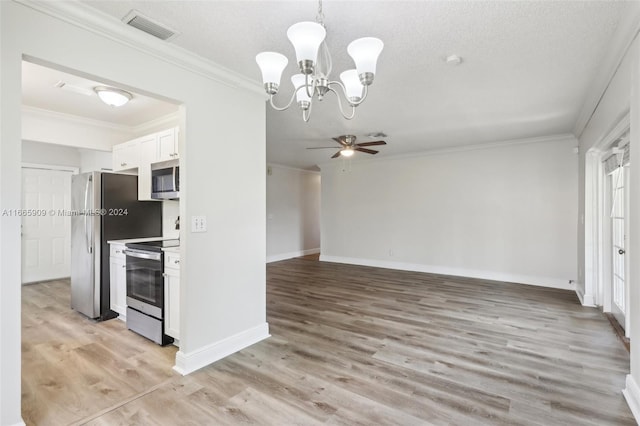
526, 70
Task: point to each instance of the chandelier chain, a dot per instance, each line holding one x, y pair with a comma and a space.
320, 15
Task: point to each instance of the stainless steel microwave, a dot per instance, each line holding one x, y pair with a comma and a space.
165, 183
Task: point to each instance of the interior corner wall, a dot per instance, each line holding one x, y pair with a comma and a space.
10, 282
632, 391
293, 213
222, 270
506, 213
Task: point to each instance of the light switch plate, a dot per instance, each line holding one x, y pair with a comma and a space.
198, 224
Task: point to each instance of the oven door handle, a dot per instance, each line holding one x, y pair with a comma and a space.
141, 255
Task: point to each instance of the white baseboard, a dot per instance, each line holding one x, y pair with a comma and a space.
443, 270
189, 362
291, 255
586, 299
631, 393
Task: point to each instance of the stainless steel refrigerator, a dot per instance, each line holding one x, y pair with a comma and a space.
104, 206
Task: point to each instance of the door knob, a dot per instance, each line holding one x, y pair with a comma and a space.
621, 251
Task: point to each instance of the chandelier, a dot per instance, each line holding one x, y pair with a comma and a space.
314, 62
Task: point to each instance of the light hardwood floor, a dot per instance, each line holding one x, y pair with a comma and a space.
350, 345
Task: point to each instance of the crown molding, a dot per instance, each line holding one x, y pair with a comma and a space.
74, 119
563, 137
98, 22
296, 169
626, 32
604, 144
169, 120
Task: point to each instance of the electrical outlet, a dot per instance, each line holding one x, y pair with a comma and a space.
198, 224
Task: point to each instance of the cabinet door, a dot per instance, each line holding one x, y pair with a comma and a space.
149, 154
168, 145
118, 286
126, 156
117, 250
148, 149
172, 303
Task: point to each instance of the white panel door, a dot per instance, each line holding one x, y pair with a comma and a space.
619, 179
46, 233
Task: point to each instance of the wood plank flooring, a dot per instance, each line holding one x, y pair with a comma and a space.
73, 367
350, 345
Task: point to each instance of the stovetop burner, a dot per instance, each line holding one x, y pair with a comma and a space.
153, 245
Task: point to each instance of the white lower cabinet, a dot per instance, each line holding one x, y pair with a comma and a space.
172, 294
118, 280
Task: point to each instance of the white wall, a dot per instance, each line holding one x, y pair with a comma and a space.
157, 125
505, 213
86, 160
632, 390
223, 270
50, 154
170, 212
64, 129
293, 213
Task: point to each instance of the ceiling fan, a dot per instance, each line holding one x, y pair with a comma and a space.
349, 146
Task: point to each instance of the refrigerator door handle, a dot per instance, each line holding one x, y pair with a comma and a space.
86, 213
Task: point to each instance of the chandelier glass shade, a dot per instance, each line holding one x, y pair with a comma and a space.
314, 63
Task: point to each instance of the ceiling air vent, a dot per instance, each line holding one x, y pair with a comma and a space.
149, 26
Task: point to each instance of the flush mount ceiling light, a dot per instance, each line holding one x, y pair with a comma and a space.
313, 82
113, 97
453, 60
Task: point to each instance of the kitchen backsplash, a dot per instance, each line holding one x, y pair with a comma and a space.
170, 213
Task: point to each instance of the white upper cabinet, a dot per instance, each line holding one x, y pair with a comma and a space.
168, 145
146, 150
126, 155
141, 152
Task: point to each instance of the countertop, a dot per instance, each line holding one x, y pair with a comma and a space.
139, 240
172, 249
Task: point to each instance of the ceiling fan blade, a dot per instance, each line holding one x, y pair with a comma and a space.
323, 147
336, 155
368, 151
372, 143
340, 140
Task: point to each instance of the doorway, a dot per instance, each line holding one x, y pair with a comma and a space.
80, 133
611, 210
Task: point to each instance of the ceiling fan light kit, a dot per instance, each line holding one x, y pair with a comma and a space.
349, 146
314, 62
347, 152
